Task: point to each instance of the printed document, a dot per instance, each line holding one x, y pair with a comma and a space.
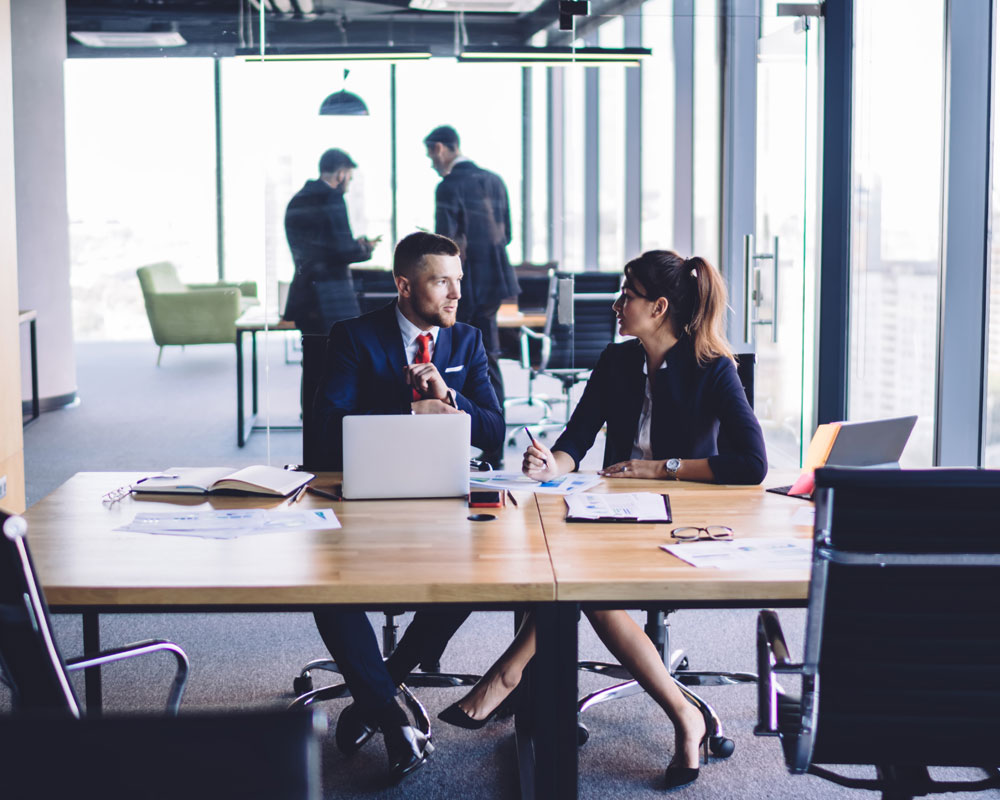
516, 481
749, 553
232, 523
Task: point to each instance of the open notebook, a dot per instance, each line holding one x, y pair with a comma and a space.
258, 479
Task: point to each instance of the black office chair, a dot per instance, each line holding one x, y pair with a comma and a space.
658, 630
902, 648
579, 324
231, 756
30, 661
374, 287
314, 459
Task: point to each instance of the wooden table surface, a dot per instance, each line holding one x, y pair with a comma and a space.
406, 551
622, 561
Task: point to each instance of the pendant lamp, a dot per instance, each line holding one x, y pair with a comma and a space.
344, 103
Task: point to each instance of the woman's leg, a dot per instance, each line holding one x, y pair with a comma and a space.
504, 676
634, 651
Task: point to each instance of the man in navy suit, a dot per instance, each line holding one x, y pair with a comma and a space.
472, 207
373, 368
322, 244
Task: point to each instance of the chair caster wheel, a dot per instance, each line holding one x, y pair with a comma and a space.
721, 747
582, 734
302, 684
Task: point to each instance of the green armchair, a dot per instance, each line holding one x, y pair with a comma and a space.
192, 313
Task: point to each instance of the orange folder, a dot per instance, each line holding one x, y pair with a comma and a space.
819, 451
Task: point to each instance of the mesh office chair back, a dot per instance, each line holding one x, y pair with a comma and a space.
902, 628
30, 661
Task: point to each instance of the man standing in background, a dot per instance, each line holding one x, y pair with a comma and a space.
472, 208
323, 247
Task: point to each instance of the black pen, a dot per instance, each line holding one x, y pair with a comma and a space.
545, 461
323, 493
510, 494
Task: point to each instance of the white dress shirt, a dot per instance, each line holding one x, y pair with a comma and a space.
410, 333
642, 447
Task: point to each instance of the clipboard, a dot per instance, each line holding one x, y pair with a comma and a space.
635, 508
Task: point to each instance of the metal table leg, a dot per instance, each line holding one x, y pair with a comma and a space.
92, 675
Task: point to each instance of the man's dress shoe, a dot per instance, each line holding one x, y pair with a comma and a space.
407, 748
353, 729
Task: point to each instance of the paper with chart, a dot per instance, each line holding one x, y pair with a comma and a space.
749, 553
635, 507
228, 524
518, 482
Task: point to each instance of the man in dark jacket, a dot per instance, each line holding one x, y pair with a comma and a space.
322, 245
472, 208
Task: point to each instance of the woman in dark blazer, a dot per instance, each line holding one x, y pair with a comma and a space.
674, 410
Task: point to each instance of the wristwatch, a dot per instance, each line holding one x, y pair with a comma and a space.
670, 466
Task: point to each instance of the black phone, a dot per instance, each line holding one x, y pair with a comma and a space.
483, 498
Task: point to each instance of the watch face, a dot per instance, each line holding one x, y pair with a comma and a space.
673, 464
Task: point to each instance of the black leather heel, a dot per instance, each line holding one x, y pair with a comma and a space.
677, 776
454, 715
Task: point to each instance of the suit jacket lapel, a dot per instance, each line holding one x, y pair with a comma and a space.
391, 341
442, 350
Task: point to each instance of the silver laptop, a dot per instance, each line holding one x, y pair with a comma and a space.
406, 455
878, 443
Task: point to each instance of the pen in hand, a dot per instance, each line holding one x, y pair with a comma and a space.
534, 441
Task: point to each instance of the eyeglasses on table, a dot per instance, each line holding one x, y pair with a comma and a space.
710, 533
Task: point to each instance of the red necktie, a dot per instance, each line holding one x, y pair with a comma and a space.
423, 355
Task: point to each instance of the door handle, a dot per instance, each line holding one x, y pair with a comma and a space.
752, 294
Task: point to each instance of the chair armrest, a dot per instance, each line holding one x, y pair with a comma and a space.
141, 649
772, 657
544, 338
247, 288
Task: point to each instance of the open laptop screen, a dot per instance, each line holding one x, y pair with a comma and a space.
406, 455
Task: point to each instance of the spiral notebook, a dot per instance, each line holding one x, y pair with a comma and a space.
636, 507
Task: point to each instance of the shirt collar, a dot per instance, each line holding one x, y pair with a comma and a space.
410, 331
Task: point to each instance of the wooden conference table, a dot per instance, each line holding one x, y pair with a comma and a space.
412, 553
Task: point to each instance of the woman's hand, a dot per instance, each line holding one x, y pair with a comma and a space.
539, 464
635, 468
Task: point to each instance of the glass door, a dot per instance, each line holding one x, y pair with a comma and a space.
781, 256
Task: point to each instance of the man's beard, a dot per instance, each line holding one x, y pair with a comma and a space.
435, 316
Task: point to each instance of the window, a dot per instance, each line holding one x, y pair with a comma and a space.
895, 215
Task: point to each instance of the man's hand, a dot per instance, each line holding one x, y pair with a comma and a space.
636, 468
426, 379
433, 406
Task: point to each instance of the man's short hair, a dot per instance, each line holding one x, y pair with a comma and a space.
411, 250
445, 134
334, 159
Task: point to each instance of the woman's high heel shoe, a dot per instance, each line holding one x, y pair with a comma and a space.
678, 776
454, 715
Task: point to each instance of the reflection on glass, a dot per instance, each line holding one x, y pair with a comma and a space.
140, 178
895, 214
707, 135
611, 141
273, 137
992, 421
538, 243
440, 92
573, 150
658, 126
